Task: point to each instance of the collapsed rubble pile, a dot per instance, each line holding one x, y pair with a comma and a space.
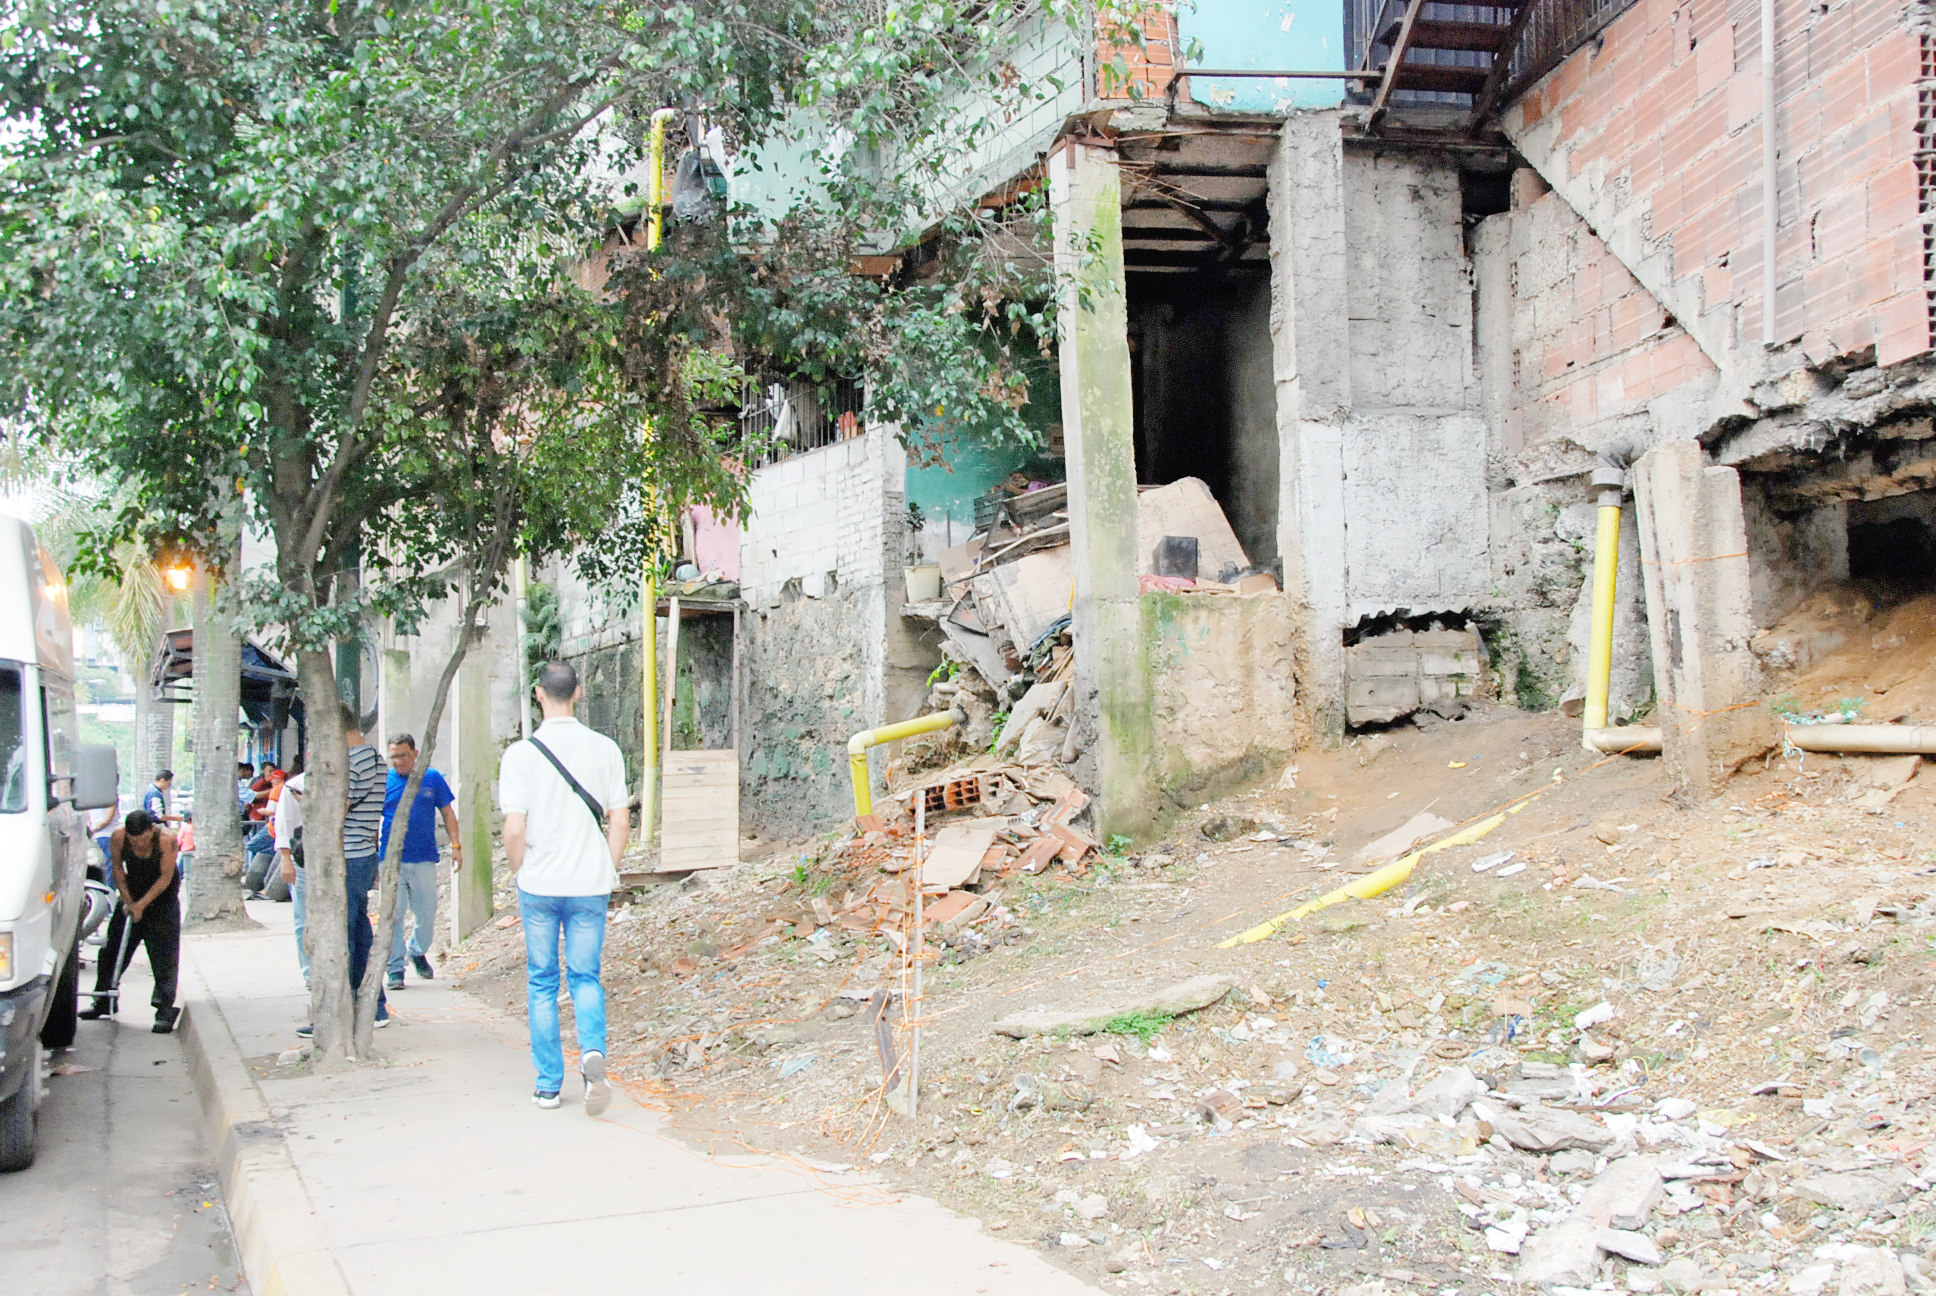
1004, 608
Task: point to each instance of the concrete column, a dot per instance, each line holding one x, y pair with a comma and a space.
1700, 615
1311, 363
475, 787
1098, 429
393, 698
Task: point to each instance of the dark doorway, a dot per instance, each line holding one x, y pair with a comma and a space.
1205, 397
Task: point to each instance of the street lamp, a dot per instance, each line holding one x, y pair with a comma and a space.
178, 577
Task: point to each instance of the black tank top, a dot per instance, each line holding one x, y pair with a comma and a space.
143, 870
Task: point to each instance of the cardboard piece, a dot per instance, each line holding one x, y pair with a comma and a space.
1032, 593
1401, 839
1186, 508
956, 855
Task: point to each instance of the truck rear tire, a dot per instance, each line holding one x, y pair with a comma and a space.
63, 1013
19, 1123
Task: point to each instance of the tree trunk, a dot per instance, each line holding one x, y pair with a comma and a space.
154, 729
325, 806
215, 882
399, 826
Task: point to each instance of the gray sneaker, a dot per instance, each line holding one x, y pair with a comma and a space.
422, 963
546, 1098
598, 1094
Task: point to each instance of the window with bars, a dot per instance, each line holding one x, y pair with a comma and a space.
782, 417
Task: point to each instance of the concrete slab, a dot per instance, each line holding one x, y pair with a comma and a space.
432, 1168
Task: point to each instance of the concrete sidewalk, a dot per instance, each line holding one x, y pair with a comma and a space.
435, 1173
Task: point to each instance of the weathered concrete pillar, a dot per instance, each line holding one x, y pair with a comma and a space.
1700, 614
1310, 336
1098, 430
475, 787
393, 703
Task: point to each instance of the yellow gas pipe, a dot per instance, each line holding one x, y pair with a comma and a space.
649, 583
1609, 480
857, 751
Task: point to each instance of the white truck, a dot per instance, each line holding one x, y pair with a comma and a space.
47, 781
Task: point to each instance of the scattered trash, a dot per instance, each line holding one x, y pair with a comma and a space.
1594, 1016
1491, 861
1510, 870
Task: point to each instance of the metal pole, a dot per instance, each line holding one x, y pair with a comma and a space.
919, 944
1770, 189
649, 707
519, 581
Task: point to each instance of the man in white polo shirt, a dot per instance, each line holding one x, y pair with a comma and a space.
566, 819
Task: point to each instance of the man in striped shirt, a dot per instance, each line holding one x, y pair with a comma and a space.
362, 825
362, 829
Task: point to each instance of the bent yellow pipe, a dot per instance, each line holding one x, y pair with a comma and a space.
1374, 883
857, 751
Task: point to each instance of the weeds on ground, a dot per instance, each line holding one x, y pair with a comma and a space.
1144, 1026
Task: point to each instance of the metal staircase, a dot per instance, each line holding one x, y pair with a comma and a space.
1423, 46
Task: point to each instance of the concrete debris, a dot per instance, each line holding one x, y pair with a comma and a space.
1447, 1094
1618, 1199
1856, 1190
1628, 1245
1545, 1129
1572, 1162
1171, 1001
1871, 1271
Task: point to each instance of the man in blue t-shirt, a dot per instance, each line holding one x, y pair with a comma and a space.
417, 871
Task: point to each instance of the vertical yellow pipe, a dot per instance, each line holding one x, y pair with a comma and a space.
649, 581
655, 182
1606, 569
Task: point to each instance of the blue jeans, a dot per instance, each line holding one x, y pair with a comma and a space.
362, 877
416, 892
582, 919
299, 901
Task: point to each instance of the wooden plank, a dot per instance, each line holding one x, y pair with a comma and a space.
700, 818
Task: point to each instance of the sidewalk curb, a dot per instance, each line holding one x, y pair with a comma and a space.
285, 1250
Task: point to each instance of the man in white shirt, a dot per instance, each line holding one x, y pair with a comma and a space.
567, 815
288, 823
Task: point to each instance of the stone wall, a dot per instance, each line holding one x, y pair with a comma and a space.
824, 543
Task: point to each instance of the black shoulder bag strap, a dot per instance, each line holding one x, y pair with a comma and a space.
591, 802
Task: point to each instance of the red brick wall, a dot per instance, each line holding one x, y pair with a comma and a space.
1669, 101
1146, 69
1588, 342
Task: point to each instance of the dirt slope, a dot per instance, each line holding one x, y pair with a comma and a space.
1766, 958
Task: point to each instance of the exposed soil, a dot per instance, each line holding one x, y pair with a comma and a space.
1767, 951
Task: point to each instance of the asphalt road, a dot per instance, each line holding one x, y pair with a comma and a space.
122, 1200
